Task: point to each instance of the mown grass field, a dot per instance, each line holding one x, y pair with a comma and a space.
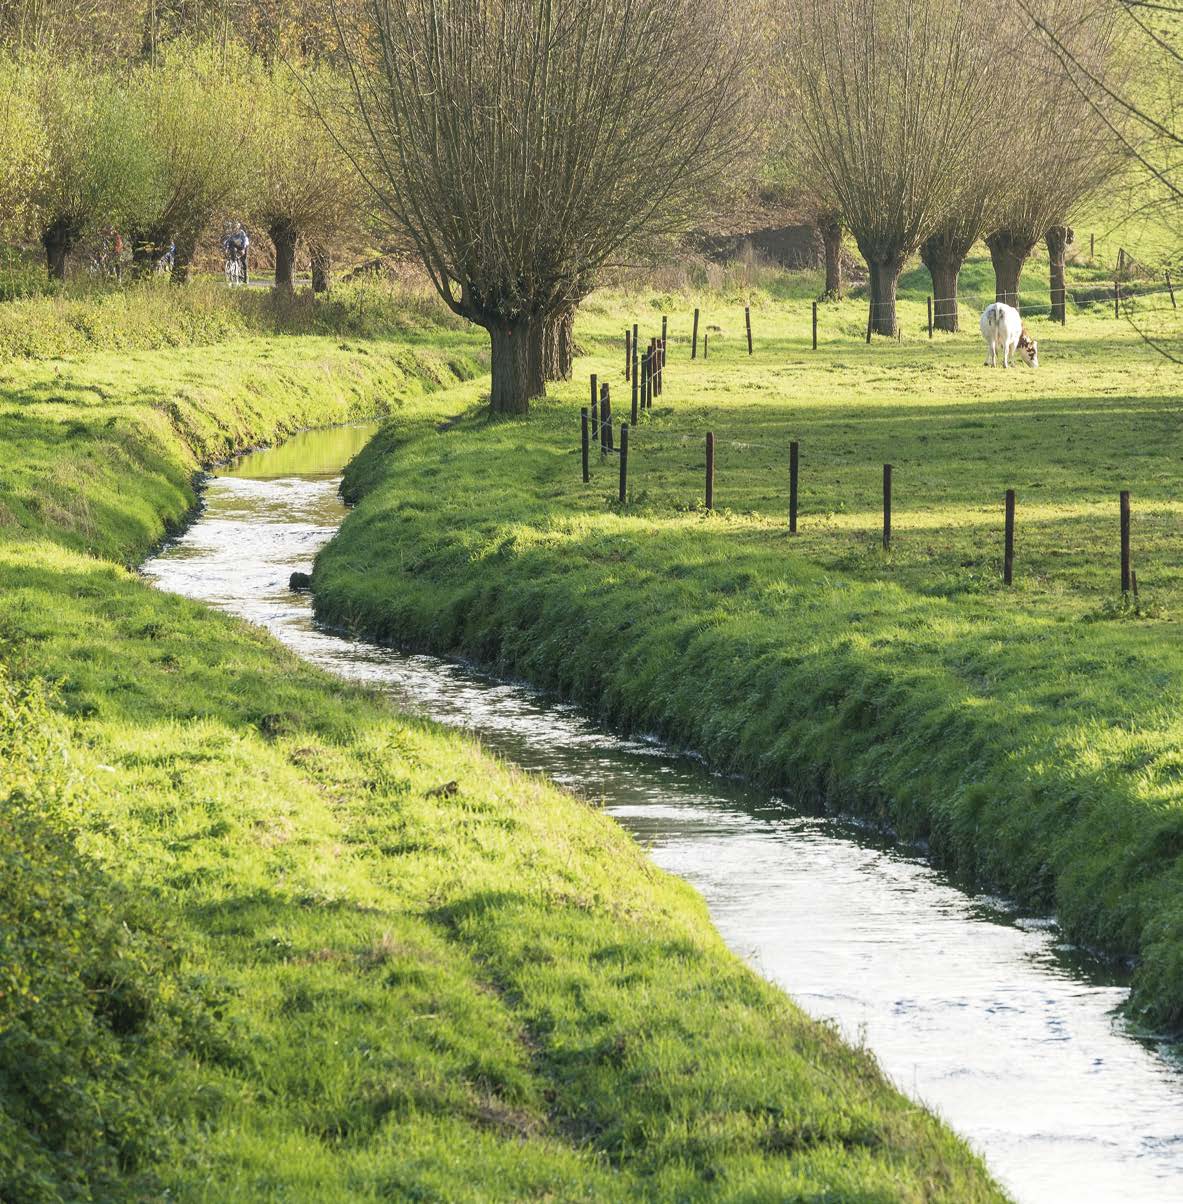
263, 938
1030, 736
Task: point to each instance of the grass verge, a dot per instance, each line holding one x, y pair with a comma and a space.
263, 938
1030, 736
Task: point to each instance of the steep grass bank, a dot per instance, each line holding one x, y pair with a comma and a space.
1030, 735
325, 952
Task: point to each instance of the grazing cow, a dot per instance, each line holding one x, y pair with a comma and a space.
1003, 329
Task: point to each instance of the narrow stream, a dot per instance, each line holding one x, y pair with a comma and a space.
983, 1014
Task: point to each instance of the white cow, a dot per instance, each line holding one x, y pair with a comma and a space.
1003, 329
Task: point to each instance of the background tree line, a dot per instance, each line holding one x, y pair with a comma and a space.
522, 147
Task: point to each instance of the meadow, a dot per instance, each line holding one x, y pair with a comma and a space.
1028, 737
262, 937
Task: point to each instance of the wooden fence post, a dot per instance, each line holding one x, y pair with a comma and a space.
628, 353
710, 470
886, 507
870, 315
747, 317
930, 317
586, 441
663, 338
1125, 541
1092, 246
1116, 297
623, 463
595, 419
793, 487
694, 337
704, 344
1008, 552
595, 390
645, 381
1171, 290
815, 326
606, 416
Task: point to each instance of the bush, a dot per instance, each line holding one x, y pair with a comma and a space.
88, 1018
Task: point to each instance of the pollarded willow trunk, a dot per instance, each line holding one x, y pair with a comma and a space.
58, 240
283, 237
186, 248
322, 266
558, 348
944, 258
1008, 252
830, 230
1059, 239
517, 368
885, 276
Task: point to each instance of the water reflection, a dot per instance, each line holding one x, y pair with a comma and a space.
981, 1013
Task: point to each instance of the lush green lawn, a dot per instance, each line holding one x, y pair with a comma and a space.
263, 938
1031, 736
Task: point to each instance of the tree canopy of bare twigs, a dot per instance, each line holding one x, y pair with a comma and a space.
888, 93
1062, 152
523, 144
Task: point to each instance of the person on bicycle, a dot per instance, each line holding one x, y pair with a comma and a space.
236, 243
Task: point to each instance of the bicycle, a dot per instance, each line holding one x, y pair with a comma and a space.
235, 268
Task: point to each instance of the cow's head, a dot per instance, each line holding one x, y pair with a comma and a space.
1028, 349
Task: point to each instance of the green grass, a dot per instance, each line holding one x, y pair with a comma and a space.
1030, 736
264, 938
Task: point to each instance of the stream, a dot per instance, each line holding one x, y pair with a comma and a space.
982, 1013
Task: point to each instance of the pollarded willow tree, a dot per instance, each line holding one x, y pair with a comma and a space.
522, 144
1062, 151
887, 94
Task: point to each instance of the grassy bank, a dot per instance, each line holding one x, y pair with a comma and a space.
1031, 736
263, 938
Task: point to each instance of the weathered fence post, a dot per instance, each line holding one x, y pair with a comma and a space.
663, 338
704, 344
1008, 552
595, 390
623, 463
815, 326
930, 317
595, 418
636, 399
606, 416
694, 337
1092, 246
586, 442
645, 381
886, 507
1125, 541
870, 316
1116, 297
793, 487
710, 470
747, 317
628, 353
1171, 290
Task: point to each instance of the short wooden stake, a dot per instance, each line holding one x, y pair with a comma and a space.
623, 463
1134, 584
793, 457
1171, 290
710, 470
1008, 553
815, 326
628, 353
694, 338
747, 317
1092, 246
586, 443
930, 317
886, 507
595, 419
1125, 541
595, 389
704, 344
606, 416
1116, 297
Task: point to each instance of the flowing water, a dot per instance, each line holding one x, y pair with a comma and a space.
983, 1014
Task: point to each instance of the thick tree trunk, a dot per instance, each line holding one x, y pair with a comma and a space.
885, 275
1058, 240
517, 365
143, 253
322, 265
944, 266
830, 229
283, 237
186, 244
559, 346
1008, 253
57, 239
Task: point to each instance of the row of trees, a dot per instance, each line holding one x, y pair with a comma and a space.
160, 150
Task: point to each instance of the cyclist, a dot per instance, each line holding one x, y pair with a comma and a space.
165, 263
236, 243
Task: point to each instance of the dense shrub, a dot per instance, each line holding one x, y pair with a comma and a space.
88, 1012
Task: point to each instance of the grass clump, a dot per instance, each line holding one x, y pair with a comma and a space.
370, 962
1029, 736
